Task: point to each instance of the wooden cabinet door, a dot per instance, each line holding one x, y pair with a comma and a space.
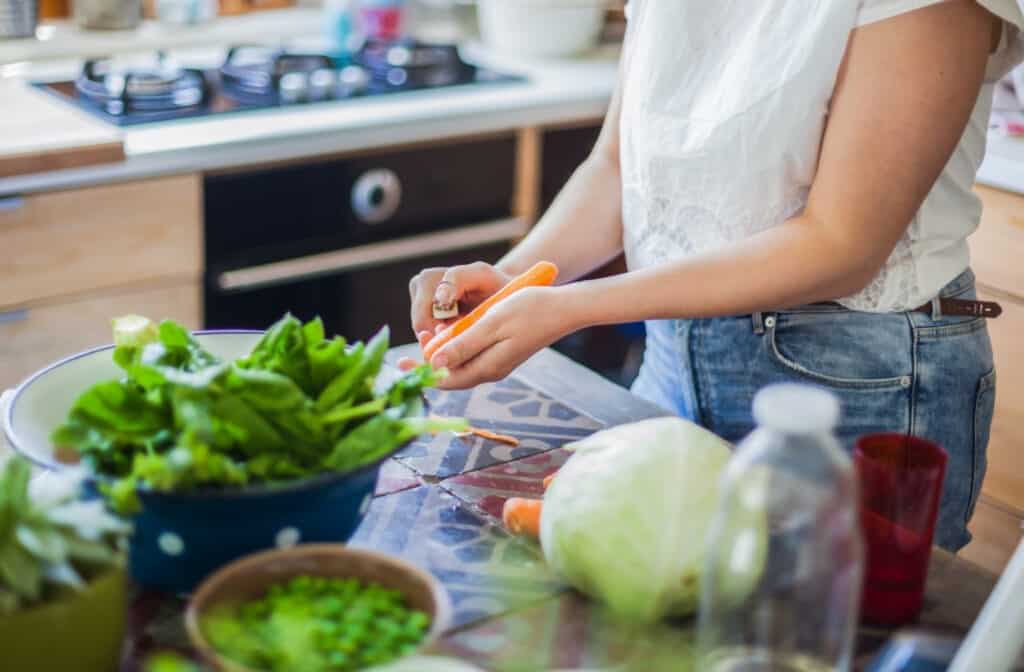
33, 338
996, 257
1005, 479
997, 247
65, 243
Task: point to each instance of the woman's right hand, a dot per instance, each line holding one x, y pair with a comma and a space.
469, 285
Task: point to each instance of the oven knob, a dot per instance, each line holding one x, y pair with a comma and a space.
352, 81
321, 84
293, 87
376, 196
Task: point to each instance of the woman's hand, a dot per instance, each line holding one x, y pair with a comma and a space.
468, 285
506, 336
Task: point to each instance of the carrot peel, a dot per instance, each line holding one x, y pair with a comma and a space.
542, 274
491, 436
522, 516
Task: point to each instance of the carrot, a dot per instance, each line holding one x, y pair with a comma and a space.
548, 480
522, 516
492, 436
542, 274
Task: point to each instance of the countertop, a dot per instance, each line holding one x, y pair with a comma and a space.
562, 91
37, 134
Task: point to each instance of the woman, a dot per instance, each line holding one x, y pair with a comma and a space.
790, 180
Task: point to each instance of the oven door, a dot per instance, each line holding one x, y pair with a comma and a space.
356, 290
341, 238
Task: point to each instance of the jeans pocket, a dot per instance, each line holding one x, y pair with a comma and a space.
843, 350
984, 408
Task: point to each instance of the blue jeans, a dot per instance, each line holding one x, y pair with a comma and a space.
927, 375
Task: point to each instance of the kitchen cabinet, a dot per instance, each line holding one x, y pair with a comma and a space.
1005, 481
995, 257
74, 259
70, 242
35, 337
564, 149
997, 245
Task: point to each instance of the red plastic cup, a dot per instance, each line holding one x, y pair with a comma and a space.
900, 487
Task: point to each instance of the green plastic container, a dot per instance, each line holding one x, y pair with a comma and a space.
82, 631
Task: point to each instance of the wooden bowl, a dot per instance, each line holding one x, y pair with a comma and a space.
250, 577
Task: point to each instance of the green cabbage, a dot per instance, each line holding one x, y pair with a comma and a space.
627, 517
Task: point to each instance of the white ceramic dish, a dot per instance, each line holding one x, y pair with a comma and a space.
41, 403
541, 28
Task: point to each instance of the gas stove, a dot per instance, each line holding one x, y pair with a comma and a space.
259, 77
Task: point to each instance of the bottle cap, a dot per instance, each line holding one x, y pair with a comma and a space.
796, 409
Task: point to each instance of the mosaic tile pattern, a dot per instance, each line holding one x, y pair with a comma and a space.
487, 489
395, 477
509, 407
486, 571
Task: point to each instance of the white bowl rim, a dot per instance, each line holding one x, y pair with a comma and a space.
8, 419
255, 490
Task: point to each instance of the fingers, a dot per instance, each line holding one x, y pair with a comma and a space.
421, 292
460, 281
407, 364
489, 366
467, 284
470, 343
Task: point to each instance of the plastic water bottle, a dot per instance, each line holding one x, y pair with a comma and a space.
787, 515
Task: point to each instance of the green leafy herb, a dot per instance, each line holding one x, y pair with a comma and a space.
317, 624
169, 661
298, 404
50, 539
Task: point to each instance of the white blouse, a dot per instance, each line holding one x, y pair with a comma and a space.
724, 105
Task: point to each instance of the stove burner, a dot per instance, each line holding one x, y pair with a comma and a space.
280, 76
259, 78
160, 87
266, 73
408, 64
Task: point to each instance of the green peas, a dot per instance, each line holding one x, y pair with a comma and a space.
318, 624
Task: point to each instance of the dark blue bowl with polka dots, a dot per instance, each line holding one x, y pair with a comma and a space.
181, 538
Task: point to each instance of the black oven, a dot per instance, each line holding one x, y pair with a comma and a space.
341, 238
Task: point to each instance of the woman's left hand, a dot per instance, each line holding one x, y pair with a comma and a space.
506, 336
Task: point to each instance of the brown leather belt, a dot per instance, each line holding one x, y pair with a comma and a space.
954, 308
963, 308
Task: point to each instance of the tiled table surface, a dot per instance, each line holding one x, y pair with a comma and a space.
439, 503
